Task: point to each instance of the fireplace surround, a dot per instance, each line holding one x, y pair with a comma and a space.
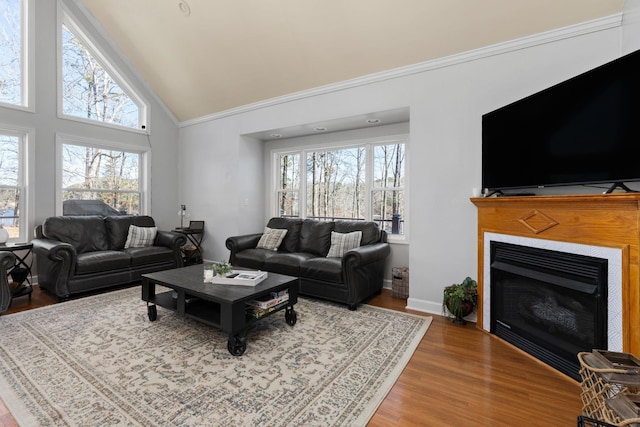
600, 226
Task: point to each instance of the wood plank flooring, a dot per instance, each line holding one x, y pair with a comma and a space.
458, 376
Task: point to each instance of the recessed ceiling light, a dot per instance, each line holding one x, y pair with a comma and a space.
320, 129
373, 121
276, 135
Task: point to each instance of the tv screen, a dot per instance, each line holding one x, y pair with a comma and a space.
584, 130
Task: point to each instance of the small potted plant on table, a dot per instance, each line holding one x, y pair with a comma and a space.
460, 299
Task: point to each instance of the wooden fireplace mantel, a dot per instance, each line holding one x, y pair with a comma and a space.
609, 220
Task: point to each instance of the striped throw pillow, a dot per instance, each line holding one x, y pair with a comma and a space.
341, 243
140, 237
271, 238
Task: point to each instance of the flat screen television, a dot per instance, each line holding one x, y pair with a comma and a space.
585, 130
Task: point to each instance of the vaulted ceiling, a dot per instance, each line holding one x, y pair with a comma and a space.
202, 57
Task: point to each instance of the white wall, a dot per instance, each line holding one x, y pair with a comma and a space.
446, 104
44, 119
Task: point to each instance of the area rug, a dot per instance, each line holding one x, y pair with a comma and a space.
99, 361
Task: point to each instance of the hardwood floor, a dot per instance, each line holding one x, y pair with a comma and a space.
458, 376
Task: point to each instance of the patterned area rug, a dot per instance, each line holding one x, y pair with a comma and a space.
99, 361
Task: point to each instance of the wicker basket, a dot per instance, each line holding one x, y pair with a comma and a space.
604, 383
400, 283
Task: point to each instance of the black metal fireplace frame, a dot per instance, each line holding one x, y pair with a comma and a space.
576, 273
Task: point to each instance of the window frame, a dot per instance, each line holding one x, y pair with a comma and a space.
368, 143
27, 59
26, 137
144, 166
73, 24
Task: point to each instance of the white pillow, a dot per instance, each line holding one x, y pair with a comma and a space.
140, 237
341, 243
271, 238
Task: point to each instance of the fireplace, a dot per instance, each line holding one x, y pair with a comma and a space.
549, 303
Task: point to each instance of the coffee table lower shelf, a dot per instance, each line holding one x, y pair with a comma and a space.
230, 318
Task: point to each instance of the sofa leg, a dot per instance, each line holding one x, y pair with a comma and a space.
353, 307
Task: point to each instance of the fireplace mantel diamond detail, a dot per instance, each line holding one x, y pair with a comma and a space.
537, 222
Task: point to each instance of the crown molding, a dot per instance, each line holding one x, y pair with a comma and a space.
551, 36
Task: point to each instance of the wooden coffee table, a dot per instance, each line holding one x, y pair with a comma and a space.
222, 306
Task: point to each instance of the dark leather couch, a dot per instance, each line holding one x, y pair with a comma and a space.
7, 260
75, 254
351, 279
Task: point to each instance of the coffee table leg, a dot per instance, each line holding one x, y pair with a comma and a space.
291, 316
237, 344
152, 312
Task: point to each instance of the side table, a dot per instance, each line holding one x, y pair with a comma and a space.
194, 234
22, 267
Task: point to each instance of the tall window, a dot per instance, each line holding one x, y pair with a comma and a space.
288, 193
91, 88
362, 182
12, 191
111, 176
12, 52
387, 192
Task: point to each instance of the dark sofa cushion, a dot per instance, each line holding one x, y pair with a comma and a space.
327, 269
286, 263
118, 228
293, 226
253, 258
315, 237
93, 262
149, 255
370, 230
85, 233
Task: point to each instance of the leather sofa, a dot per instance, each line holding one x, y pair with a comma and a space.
351, 278
76, 254
7, 260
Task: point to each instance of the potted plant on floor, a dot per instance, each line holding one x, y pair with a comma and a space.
460, 299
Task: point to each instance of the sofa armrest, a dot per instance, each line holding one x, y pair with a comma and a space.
55, 264
7, 260
366, 254
236, 244
174, 241
363, 270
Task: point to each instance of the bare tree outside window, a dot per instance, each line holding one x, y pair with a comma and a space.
289, 186
365, 182
10, 184
91, 173
11, 58
89, 91
335, 180
388, 186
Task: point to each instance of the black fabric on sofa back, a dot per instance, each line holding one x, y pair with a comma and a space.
118, 228
293, 226
315, 237
86, 233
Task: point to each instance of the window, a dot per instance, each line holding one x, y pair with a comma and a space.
91, 88
365, 181
101, 173
12, 190
14, 52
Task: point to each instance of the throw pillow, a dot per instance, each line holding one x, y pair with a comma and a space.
140, 237
271, 238
341, 243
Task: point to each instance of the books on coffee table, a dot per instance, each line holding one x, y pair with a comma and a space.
241, 277
266, 304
